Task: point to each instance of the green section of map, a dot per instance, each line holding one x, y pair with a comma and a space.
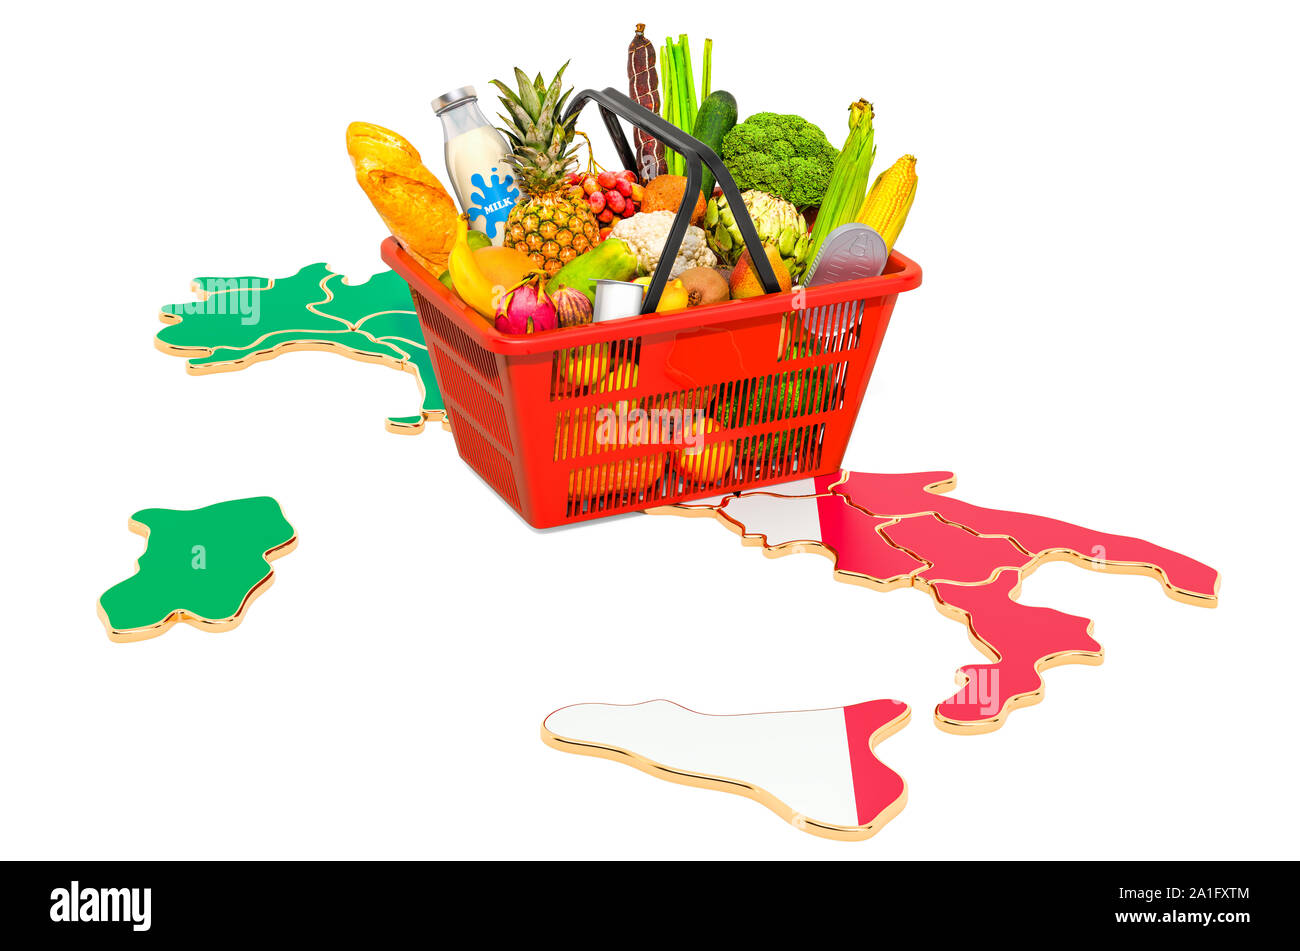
203, 566
239, 321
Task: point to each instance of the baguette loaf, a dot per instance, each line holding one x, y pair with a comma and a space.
411, 201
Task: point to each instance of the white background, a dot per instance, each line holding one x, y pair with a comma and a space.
1106, 334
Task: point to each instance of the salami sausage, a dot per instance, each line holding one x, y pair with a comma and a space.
643, 87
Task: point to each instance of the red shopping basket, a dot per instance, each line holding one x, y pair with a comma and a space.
626, 414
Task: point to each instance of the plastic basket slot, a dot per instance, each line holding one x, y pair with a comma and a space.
483, 457
796, 450
470, 399
610, 486
442, 329
845, 326
826, 380
674, 410
597, 367
839, 378
776, 397
579, 433
688, 481
782, 452
830, 328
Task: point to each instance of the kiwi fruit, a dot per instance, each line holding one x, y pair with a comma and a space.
704, 286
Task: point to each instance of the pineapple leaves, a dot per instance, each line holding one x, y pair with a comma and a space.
509, 131
527, 94
559, 77
559, 106
541, 141
548, 122
522, 120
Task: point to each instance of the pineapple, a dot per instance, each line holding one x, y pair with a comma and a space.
547, 225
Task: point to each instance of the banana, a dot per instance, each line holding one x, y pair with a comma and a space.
468, 281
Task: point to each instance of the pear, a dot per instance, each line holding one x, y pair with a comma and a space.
745, 281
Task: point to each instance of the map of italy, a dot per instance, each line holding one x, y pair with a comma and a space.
239, 321
883, 530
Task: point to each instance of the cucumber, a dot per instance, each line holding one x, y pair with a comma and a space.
611, 259
714, 120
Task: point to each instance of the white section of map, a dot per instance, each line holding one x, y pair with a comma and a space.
780, 520
800, 757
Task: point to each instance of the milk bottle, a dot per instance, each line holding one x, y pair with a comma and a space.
484, 184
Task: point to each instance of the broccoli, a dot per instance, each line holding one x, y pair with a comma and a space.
783, 155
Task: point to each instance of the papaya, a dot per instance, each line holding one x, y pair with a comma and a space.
610, 260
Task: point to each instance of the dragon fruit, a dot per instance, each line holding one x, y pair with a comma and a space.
526, 308
572, 307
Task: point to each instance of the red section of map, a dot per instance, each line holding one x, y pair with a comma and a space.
856, 539
954, 554
1024, 639
876, 787
901, 494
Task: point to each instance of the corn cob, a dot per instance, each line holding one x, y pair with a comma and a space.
890, 199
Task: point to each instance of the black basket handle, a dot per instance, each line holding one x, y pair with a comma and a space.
614, 104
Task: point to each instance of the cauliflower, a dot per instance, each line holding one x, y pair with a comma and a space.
783, 155
646, 233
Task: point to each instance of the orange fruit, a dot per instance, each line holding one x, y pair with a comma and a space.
712, 460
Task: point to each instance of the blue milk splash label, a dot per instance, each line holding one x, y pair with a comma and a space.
491, 202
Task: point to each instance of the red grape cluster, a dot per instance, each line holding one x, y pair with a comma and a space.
611, 196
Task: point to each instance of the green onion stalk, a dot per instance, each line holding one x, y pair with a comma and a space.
706, 79
850, 177
680, 105
669, 102
688, 71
